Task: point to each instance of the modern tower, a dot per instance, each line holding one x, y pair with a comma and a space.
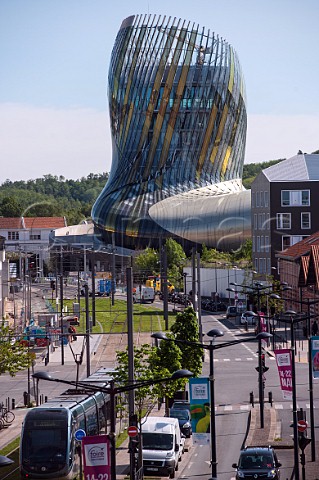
178, 124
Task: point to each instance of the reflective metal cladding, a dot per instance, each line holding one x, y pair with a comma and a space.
178, 124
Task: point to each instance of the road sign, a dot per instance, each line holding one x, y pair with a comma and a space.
132, 431
302, 425
79, 434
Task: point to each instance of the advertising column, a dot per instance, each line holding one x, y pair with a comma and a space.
200, 410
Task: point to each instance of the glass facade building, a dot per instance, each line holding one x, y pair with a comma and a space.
178, 124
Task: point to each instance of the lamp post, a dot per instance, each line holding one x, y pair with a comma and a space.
311, 399
112, 390
215, 332
292, 314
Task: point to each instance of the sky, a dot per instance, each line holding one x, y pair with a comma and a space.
54, 57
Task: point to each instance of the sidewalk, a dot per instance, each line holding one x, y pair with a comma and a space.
274, 435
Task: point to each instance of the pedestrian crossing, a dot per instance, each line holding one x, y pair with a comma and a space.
247, 406
240, 359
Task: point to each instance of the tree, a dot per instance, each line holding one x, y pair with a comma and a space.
186, 328
10, 207
150, 363
147, 263
14, 356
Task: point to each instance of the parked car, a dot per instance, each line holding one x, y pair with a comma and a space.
181, 405
257, 462
231, 312
184, 420
248, 317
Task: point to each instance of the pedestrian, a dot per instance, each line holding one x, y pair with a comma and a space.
73, 333
314, 329
70, 331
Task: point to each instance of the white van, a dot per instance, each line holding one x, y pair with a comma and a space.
162, 445
144, 294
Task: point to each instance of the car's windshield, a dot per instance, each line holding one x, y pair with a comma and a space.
180, 414
157, 441
255, 461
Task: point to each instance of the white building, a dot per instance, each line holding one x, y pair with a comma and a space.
29, 238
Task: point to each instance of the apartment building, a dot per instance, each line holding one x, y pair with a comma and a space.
284, 209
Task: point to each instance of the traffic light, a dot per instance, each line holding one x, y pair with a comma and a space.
263, 364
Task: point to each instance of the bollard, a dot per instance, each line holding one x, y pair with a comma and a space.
25, 399
13, 404
251, 398
246, 325
45, 399
270, 398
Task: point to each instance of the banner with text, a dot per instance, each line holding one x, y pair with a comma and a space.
315, 356
96, 457
283, 359
200, 409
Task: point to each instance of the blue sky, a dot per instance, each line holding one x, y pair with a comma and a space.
54, 61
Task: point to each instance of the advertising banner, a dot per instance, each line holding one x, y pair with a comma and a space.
200, 410
283, 359
263, 327
96, 457
315, 356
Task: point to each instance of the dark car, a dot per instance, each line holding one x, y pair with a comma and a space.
184, 420
181, 405
257, 463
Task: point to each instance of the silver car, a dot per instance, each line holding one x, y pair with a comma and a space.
249, 318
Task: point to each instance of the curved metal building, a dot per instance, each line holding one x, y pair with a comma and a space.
178, 125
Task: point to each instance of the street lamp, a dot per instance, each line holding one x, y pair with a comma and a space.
215, 332
5, 461
292, 314
113, 391
311, 400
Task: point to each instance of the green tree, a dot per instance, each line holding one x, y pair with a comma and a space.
10, 207
150, 363
146, 263
14, 356
186, 328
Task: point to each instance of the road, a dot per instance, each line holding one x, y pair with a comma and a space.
235, 378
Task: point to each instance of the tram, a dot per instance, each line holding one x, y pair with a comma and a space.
48, 448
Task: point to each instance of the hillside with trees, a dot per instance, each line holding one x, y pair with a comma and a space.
55, 196
51, 196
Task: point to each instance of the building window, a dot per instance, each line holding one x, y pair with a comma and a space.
262, 265
295, 198
305, 220
269, 272
253, 240
289, 240
266, 243
256, 264
258, 244
257, 199
283, 220
262, 243
268, 221
260, 221
35, 237
261, 199
255, 221
266, 198
13, 235
253, 200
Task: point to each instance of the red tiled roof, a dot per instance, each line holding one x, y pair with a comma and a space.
32, 222
44, 222
301, 248
10, 222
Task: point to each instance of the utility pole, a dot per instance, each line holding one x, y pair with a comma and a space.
130, 347
87, 329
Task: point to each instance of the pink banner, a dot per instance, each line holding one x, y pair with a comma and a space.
96, 457
283, 359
